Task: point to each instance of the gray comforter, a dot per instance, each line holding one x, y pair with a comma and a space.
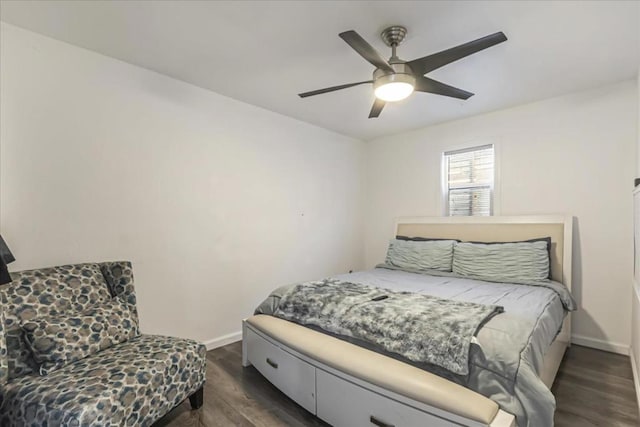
422, 328
509, 352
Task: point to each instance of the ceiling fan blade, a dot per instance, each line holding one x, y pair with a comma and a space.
331, 89
431, 62
365, 50
377, 107
425, 84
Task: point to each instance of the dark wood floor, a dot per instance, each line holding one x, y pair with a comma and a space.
593, 388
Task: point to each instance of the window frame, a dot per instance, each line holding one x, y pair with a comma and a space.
445, 176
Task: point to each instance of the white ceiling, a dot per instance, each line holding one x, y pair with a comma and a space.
266, 52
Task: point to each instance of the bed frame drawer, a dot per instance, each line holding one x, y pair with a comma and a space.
365, 408
294, 377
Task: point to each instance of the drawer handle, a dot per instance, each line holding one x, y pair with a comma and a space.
379, 423
273, 364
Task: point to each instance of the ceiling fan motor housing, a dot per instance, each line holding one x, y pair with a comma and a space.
403, 74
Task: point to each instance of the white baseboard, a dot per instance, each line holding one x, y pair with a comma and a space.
612, 347
636, 376
223, 340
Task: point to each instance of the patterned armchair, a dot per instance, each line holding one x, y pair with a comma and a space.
71, 353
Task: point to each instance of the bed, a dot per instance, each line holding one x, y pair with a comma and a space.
347, 383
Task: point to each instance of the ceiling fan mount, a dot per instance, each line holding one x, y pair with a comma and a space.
395, 79
394, 35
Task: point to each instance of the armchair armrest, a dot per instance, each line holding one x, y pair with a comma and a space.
119, 276
4, 360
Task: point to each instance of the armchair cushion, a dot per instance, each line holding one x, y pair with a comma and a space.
57, 341
133, 383
46, 292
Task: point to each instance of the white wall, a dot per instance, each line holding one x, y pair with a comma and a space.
571, 155
214, 201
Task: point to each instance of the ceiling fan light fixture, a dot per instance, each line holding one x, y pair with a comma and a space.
394, 91
394, 87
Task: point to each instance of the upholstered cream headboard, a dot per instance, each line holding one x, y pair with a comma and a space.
500, 229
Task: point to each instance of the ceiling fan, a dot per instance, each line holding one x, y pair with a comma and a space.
396, 79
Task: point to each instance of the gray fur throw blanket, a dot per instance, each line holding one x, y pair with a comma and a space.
421, 328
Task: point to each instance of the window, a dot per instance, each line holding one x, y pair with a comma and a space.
468, 182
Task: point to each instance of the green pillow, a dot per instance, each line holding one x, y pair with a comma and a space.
517, 262
421, 255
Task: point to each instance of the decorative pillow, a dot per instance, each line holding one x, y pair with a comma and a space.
515, 262
46, 292
539, 239
57, 341
421, 255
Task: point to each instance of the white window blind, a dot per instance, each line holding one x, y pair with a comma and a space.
469, 181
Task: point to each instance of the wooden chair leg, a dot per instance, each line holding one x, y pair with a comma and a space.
197, 398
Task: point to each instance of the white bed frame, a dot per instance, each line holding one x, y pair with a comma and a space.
342, 399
